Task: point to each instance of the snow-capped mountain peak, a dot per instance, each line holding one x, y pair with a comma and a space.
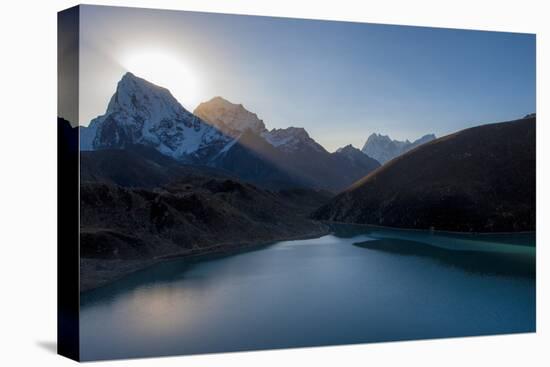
141, 112
137, 95
229, 117
234, 119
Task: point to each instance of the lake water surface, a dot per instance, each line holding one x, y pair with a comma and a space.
358, 285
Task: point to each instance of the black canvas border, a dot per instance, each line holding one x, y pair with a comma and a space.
68, 206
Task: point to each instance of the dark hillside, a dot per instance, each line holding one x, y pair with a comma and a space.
480, 179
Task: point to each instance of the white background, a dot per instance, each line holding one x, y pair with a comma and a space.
28, 183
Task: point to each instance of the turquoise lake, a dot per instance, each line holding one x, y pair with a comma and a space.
356, 285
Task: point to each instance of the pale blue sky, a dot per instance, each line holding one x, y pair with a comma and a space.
341, 81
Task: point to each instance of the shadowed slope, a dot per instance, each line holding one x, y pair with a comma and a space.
138, 206
138, 166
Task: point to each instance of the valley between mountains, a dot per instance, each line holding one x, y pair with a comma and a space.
157, 181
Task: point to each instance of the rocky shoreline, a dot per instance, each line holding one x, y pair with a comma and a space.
96, 273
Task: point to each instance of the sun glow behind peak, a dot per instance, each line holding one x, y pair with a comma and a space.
167, 70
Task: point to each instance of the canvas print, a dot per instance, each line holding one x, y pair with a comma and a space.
233, 183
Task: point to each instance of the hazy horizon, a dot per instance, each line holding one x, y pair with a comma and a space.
341, 81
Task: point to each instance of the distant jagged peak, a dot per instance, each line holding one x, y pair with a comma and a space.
350, 152
426, 137
383, 148
378, 136
347, 149
354, 154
